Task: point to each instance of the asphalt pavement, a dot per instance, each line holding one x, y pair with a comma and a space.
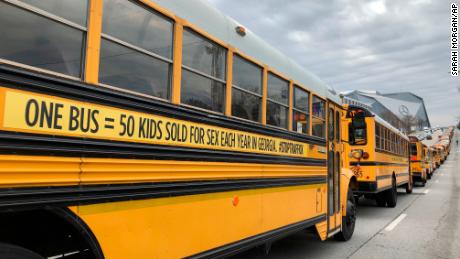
424, 224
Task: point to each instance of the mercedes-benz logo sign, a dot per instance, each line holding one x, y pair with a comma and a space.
403, 110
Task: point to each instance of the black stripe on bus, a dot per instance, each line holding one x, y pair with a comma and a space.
366, 187
417, 174
371, 187
247, 243
34, 144
381, 177
374, 163
91, 194
22, 79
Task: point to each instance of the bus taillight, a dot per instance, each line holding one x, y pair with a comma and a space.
365, 155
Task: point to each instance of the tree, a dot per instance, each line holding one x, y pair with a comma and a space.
409, 123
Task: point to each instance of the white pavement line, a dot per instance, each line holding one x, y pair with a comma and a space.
426, 191
395, 222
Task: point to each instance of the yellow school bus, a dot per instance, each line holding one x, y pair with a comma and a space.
442, 151
417, 160
378, 156
429, 161
446, 138
426, 161
436, 157
159, 129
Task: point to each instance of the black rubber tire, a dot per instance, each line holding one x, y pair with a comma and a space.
17, 252
409, 186
349, 220
392, 194
356, 197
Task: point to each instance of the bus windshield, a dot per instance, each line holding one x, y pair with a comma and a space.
358, 130
413, 149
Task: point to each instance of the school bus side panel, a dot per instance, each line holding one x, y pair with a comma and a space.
182, 226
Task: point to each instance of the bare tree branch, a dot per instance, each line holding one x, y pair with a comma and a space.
410, 123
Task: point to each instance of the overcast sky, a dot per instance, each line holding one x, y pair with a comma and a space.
384, 45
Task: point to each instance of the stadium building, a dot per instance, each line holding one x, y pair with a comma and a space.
404, 110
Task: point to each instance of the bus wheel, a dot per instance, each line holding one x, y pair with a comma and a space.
409, 186
17, 252
392, 195
349, 220
356, 197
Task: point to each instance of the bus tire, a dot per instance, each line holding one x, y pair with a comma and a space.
356, 197
349, 220
392, 194
409, 186
17, 252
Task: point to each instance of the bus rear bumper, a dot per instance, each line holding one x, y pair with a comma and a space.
418, 177
366, 187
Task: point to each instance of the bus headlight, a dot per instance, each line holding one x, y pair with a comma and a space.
356, 154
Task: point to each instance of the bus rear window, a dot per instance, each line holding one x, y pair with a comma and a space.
413, 149
358, 130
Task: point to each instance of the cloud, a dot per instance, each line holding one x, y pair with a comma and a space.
388, 45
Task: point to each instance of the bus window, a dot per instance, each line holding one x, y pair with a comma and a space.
318, 118
48, 41
393, 144
277, 101
203, 72
387, 140
330, 124
413, 149
377, 136
384, 138
300, 116
136, 54
337, 126
400, 143
247, 89
358, 129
